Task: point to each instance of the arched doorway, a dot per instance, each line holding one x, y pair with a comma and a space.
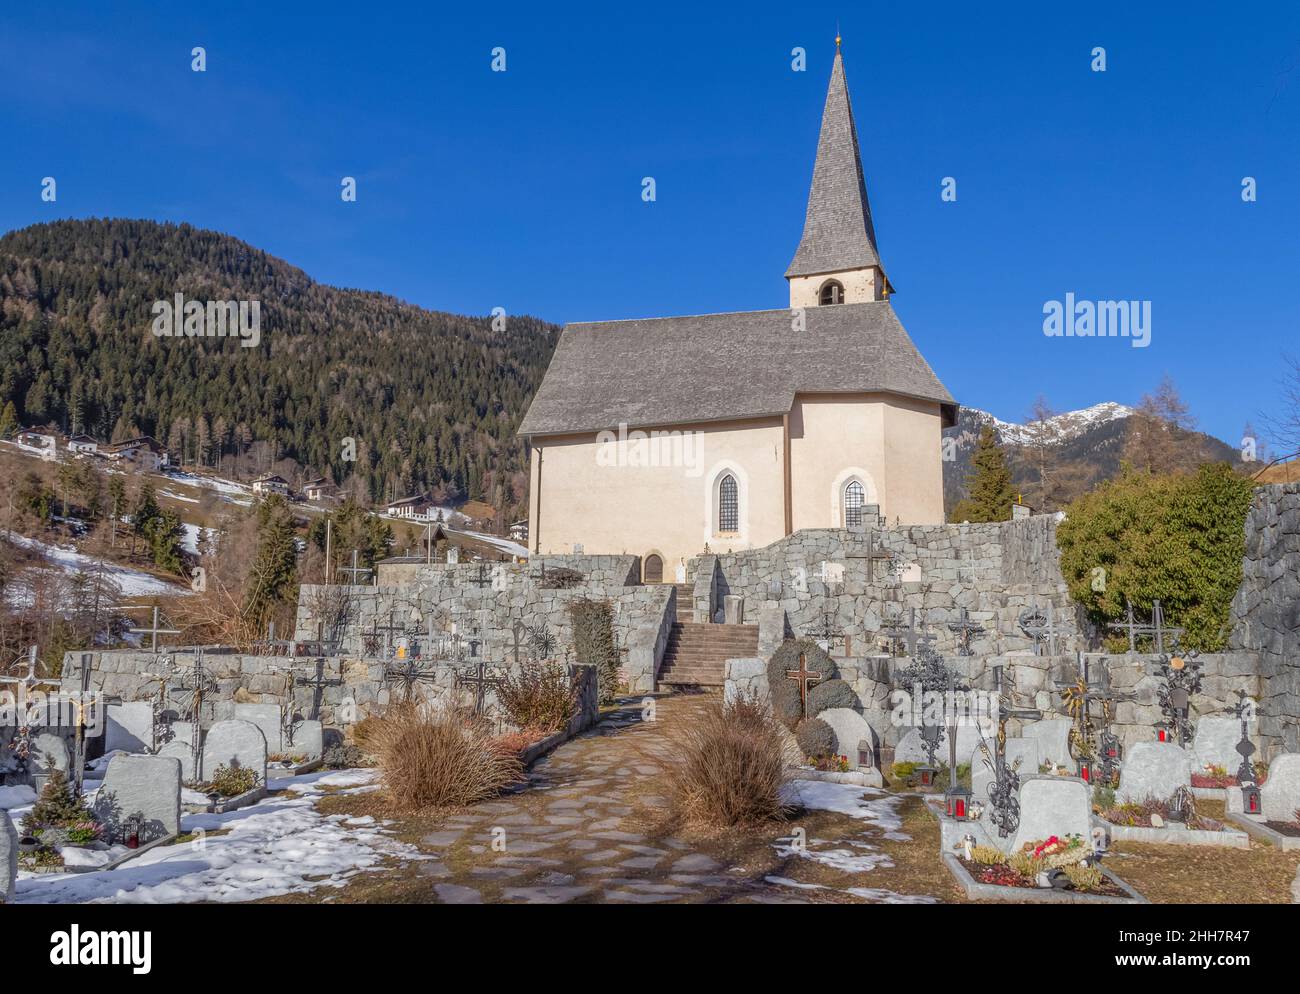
652, 569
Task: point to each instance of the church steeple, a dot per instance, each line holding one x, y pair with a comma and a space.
837, 260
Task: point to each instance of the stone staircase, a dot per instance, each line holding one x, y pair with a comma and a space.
685, 601
696, 653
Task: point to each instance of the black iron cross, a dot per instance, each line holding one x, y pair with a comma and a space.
480, 682
408, 672
1244, 710
481, 579
317, 683
965, 630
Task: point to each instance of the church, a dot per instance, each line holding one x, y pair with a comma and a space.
661, 437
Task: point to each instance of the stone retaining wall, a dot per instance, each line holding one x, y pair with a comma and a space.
993, 570
1266, 609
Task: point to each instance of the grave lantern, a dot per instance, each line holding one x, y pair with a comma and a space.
1085, 770
925, 776
1250, 803
957, 801
865, 758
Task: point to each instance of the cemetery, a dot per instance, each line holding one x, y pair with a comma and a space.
944, 666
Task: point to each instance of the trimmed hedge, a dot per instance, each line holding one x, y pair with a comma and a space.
815, 738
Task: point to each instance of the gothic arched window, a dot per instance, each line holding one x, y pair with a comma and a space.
728, 505
853, 501
832, 292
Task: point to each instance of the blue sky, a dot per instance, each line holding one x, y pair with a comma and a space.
522, 189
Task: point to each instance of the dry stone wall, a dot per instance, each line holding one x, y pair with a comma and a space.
1266, 609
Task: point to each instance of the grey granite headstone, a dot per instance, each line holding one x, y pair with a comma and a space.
8, 857
184, 752
1280, 795
129, 727
234, 743
143, 787
850, 728
911, 749
46, 748
1053, 735
308, 740
1215, 743
1153, 770
267, 718
1050, 806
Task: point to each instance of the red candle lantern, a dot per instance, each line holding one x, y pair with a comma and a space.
1250, 803
957, 803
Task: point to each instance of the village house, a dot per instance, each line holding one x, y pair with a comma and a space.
659, 437
414, 508
144, 453
320, 489
271, 484
83, 445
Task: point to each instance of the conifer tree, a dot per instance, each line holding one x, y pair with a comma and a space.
989, 490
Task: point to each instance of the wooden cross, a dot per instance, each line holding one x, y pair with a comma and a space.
480, 683
354, 571
804, 677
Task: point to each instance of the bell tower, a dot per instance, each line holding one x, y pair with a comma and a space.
837, 261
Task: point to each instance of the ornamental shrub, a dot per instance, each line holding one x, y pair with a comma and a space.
1179, 538
815, 738
831, 694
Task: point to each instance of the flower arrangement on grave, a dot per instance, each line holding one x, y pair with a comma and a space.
59, 818
830, 764
1211, 775
230, 781
1153, 813
287, 758
1066, 863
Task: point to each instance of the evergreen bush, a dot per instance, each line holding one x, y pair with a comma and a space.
594, 645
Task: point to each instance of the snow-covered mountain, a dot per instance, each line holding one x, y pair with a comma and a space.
1058, 429
1088, 442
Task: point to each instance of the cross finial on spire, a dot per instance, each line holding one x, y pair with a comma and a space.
837, 36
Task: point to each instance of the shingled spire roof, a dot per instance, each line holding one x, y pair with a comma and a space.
837, 232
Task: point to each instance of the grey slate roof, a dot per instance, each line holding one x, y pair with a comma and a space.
716, 367
837, 231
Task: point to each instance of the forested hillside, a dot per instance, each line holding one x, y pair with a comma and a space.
432, 399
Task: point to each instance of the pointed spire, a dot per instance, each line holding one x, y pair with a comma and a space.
838, 234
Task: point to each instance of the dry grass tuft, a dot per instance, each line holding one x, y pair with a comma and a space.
732, 767
429, 760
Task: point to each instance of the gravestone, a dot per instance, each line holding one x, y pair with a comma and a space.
982, 778
267, 718
733, 606
183, 752
1050, 806
232, 744
308, 740
911, 749
1215, 743
8, 857
1280, 795
129, 727
48, 747
143, 787
1155, 770
850, 729
1053, 736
